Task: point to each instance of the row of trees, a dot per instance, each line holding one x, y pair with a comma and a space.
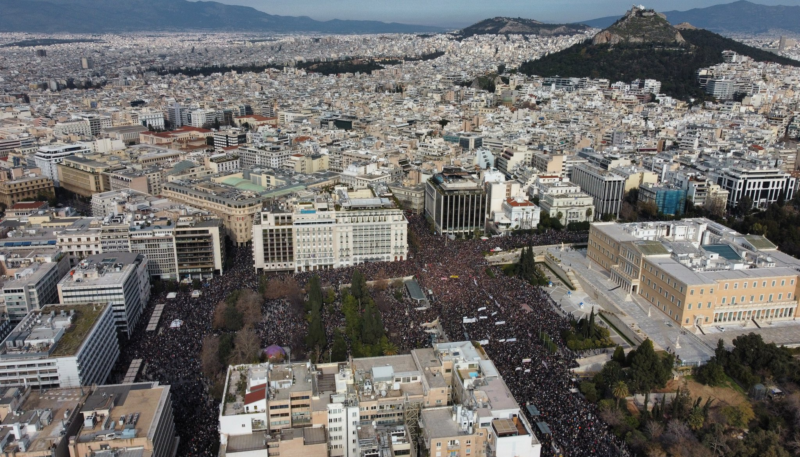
237, 343
363, 321
586, 334
751, 361
363, 332
527, 269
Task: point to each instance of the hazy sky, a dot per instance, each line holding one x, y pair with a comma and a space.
458, 13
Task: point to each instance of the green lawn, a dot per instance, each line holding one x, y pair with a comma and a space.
84, 320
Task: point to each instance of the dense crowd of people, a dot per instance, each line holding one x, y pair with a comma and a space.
455, 273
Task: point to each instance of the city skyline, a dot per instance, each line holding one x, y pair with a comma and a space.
461, 13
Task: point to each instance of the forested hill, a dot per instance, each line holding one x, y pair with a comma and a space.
520, 26
674, 65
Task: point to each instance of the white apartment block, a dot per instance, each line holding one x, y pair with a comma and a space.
153, 119
311, 237
201, 117
80, 243
118, 278
48, 350
113, 202
263, 156
47, 158
33, 287
158, 245
193, 247
73, 127
223, 163
143, 425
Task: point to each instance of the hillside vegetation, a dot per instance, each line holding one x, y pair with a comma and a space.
520, 26
675, 65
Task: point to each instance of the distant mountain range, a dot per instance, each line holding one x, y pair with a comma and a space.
736, 17
110, 16
644, 45
520, 26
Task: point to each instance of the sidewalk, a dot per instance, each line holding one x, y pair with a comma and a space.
632, 310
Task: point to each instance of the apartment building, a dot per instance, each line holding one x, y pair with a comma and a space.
448, 399
603, 161
307, 164
223, 163
25, 188
698, 272
234, 207
9, 143
60, 346
313, 236
605, 187
80, 242
113, 203
147, 181
549, 163
80, 127
126, 418
27, 428
635, 177
508, 160
157, 244
47, 158
115, 236
118, 278
25, 209
267, 156
192, 247
228, 138
455, 201
199, 247
33, 287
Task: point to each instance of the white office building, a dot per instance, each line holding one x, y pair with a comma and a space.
119, 278
33, 287
61, 346
154, 119
273, 156
313, 237
47, 158
158, 245
761, 183
80, 127
606, 188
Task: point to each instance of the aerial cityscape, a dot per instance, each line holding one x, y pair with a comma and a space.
228, 229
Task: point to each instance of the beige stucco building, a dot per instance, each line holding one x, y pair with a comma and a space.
236, 208
25, 188
448, 400
698, 272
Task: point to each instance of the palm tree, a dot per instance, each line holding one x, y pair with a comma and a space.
620, 391
559, 215
588, 214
